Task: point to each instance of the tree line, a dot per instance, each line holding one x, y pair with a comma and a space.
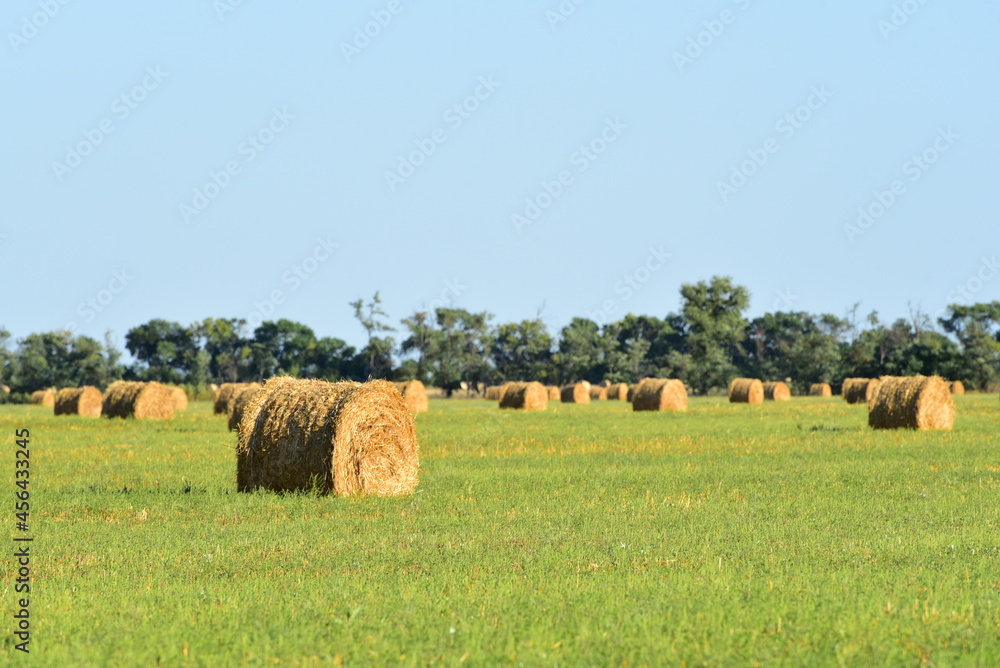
709, 342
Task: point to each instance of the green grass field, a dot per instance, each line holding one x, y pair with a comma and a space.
587, 535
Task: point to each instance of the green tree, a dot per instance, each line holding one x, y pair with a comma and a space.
977, 328
713, 314
377, 354
229, 352
582, 352
522, 351
162, 349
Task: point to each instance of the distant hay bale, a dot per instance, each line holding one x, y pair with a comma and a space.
630, 395
859, 390
553, 391
957, 387
618, 391
339, 438
179, 397
578, 393
746, 391
126, 399
916, 402
5, 389
777, 391
414, 394
238, 403
84, 401
493, 392
820, 390
660, 394
46, 398
528, 396
598, 392
225, 395
605, 383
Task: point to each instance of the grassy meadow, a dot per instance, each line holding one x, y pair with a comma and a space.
587, 535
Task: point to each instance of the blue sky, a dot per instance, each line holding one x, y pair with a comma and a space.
260, 160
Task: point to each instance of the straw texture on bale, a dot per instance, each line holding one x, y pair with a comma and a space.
528, 396
414, 394
777, 391
631, 391
820, 390
618, 391
859, 390
957, 387
493, 392
746, 391
238, 404
340, 438
125, 399
598, 392
226, 394
179, 397
79, 401
45, 398
577, 393
660, 394
553, 391
915, 402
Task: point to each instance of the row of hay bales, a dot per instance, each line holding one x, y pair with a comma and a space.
123, 399
650, 394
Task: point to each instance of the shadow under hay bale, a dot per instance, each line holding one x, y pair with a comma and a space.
238, 402
917, 402
746, 391
859, 390
125, 399
527, 396
339, 438
820, 390
777, 391
660, 394
84, 401
577, 393
414, 394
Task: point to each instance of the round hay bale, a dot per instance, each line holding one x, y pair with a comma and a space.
126, 399
618, 391
493, 392
578, 393
84, 401
339, 438
598, 392
179, 397
859, 390
238, 404
222, 397
528, 396
777, 391
916, 402
660, 394
820, 390
630, 395
957, 387
46, 398
554, 392
746, 391
414, 394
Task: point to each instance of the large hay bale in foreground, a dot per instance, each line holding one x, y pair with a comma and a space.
777, 391
528, 396
598, 392
553, 391
414, 394
660, 394
820, 390
957, 387
238, 402
577, 393
126, 399
341, 438
179, 397
916, 402
859, 390
746, 391
493, 392
618, 392
84, 401
45, 398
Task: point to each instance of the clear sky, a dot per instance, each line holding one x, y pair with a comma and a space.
188, 159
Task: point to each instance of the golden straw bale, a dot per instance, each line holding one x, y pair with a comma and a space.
553, 391
578, 393
957, 387
238, 402
820, 390
126, 399
84, 401
746, 391
598, 392
529, 396
179, 397
414, 394
339, 438
859, 390
618, 391
46, 398
777, 391
493, 392
631, 391
916, 402
660, 394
